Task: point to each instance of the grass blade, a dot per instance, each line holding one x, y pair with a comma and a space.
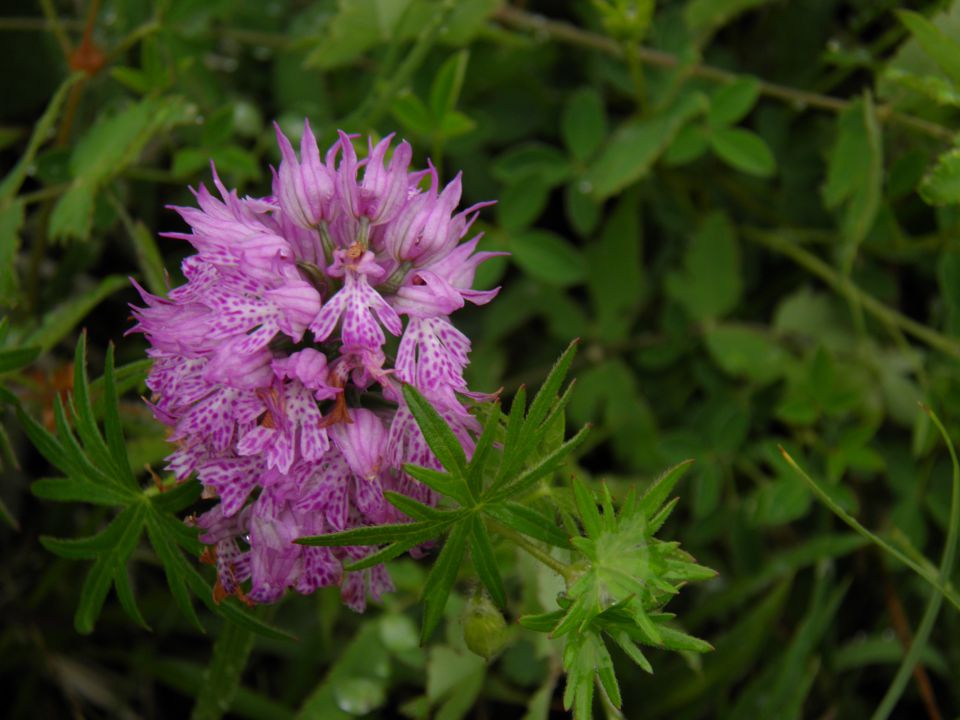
930, 574
900, 680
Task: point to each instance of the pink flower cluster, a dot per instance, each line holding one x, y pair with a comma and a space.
278, 364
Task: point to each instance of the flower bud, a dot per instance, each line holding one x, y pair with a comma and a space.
485, 631
306, 188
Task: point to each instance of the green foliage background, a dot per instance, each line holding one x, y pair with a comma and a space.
746, 210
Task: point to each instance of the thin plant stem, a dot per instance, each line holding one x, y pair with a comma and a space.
901, 626
921, 567
565, 32
537, 553
919, 643
56, 27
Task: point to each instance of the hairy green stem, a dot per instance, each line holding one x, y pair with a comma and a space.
537, 553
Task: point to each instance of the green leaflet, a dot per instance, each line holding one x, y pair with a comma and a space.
98, 472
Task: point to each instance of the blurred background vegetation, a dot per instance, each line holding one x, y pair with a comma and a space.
747, 210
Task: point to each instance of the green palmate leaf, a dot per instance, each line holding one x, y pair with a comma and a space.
485, 562
944, 51
633, 652
524, 433
436, 432
681, 642
389, 552
178, 498
580, 661
583, 124
439, 583
100, 577
658, 492
124, 590
98, 471
941, 186
518, 409
543, 467
86, 422
744, 150
78, 464
126, 378
93, 594
530, 522
445, 91
546, 396
414, 508
442, 482
607, 675
71, 490
587, 508
43, 440
633, 149
89, 548
378, 534
230, 608
175, 568
481, 453
732, 102
111, 422
544, 622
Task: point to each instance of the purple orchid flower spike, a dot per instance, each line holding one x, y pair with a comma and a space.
275, 422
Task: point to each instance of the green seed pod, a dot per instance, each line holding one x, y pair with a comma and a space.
484, 629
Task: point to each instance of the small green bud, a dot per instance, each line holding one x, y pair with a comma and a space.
484, 629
